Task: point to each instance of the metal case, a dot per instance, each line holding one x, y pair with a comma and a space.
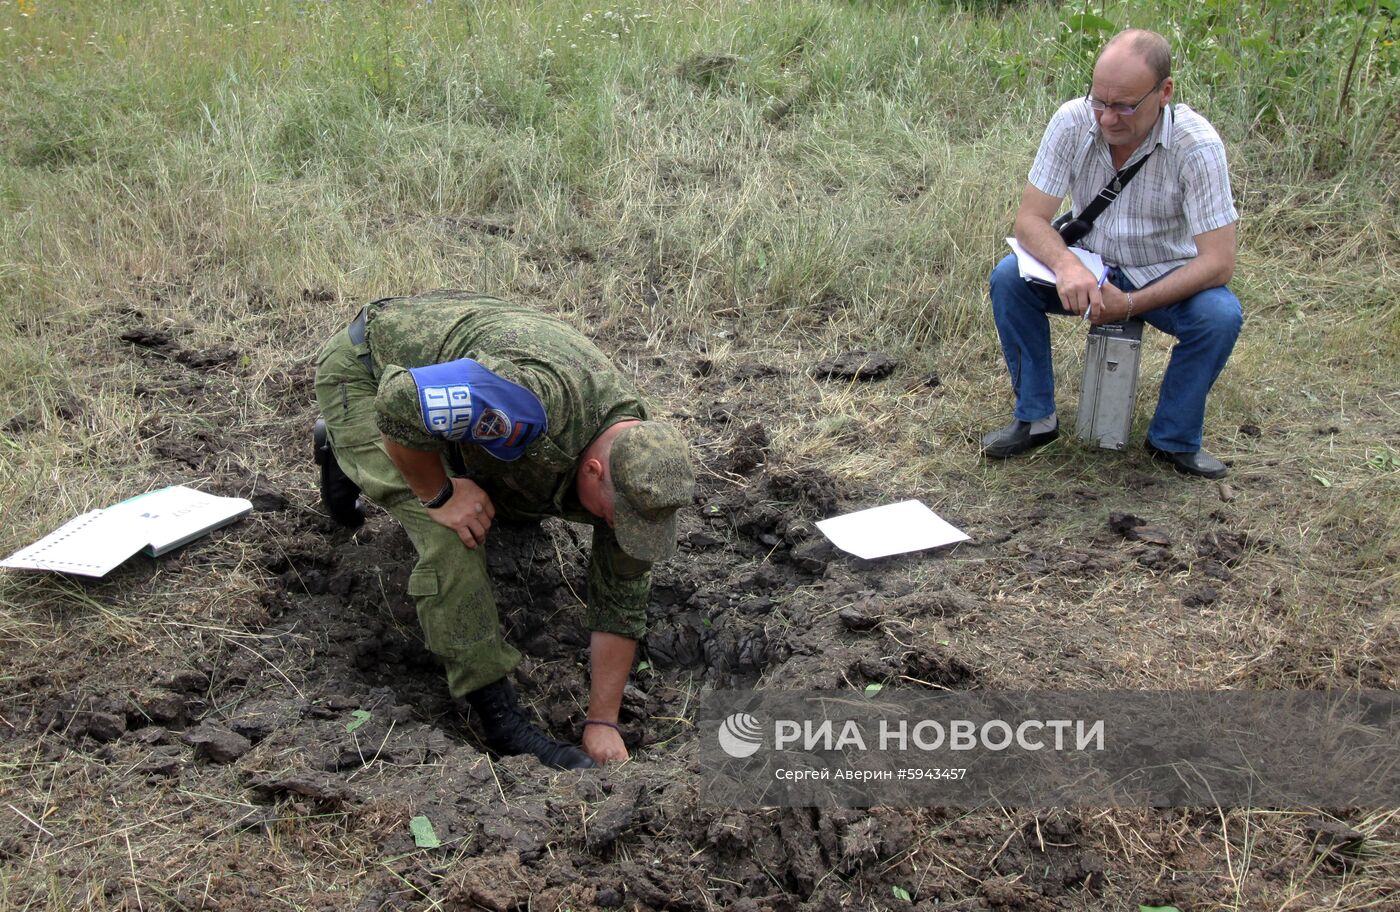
1106, 397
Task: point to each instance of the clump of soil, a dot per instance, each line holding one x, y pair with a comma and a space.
856, 365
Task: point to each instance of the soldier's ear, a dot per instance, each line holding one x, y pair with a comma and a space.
590, 475
592, 491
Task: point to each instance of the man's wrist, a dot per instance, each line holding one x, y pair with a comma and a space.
443, 495
1067, 263
609, 716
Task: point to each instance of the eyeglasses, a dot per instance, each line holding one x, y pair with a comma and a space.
1122, 110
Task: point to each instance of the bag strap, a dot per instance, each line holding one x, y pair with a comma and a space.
1111, 191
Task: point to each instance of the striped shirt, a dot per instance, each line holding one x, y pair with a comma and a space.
1182, 191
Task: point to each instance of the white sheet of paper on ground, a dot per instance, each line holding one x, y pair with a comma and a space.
97, 542
1036, 271
891, 529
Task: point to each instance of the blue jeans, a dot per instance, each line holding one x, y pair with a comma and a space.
1205, 326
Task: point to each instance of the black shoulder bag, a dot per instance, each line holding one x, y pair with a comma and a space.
1073, 228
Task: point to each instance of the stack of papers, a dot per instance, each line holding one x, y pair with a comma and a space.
96, 542
1032, 270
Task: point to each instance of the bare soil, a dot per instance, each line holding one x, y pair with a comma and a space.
251, 722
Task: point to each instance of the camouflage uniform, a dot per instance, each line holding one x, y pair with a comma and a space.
582, 395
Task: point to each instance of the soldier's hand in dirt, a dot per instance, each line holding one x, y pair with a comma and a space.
603, 743
468, 512
1077, 287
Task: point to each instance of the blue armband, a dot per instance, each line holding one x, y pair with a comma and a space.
463, 402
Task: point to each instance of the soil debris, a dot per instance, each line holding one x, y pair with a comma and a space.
856, 365
307, 784
103, 727
615, 815
325, 704
754, 370
1135, 528
496, 882
859, 618
199, 359
1200, 597
147, 337
1225, 546
812, 556
749, 449
1334, 841
212, 742
269, 502
162, 762
928, 383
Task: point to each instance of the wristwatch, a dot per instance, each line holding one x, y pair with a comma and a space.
440, 498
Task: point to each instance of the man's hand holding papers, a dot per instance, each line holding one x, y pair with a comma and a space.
1033, 270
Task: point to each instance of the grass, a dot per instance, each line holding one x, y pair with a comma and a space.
752, 183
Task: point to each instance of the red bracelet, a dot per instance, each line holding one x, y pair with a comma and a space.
613, 725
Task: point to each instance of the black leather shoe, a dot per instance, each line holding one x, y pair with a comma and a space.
509, 731
1015, 438
339, 494
1198, 463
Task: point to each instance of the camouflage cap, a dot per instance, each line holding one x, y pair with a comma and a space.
652, 478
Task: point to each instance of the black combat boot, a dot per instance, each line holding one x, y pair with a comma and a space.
509, 731
339, 494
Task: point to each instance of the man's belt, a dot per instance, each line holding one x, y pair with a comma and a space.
356, 332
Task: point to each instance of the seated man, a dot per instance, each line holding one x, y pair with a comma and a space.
449, 407
1169, 238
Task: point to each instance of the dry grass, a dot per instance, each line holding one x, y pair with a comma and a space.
752, 184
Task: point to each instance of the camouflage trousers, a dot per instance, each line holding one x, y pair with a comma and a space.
449, 584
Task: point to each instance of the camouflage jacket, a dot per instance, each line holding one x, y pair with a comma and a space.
580, 389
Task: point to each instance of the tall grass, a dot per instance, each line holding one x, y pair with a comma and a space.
832, 171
